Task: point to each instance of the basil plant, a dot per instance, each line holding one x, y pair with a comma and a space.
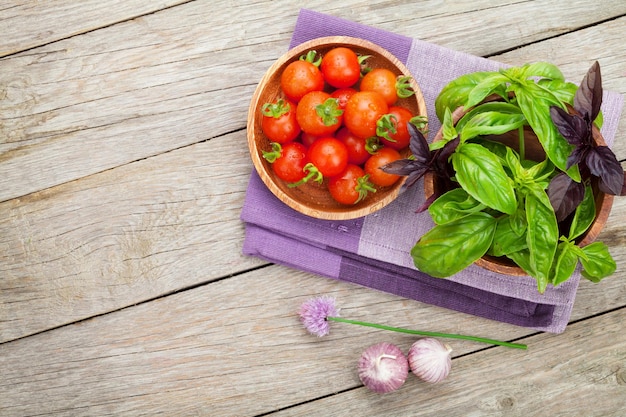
497, 201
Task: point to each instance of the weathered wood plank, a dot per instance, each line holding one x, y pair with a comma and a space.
488, 28
166, 80
123, 236
236, 348
576, 373
32, 24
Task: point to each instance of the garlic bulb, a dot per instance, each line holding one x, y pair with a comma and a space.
383, 367
430, 360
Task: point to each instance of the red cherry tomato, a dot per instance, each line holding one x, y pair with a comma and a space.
307, 139
357, 152
329, 155
318, 114
299, 78
343, 95
341, 67
380, 158
279, 121
362, 112
382, 81
393, 128
350, 186
289, 165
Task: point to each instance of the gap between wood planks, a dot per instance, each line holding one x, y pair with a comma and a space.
312, 400
230, 132
95, 29
583, 27
147, 300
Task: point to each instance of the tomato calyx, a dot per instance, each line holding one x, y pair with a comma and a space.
275, 110
312, 173
310, 57
364, 66
403, 87
329, 111
421, 123
373, 145
274, 154
386, 126
364, 187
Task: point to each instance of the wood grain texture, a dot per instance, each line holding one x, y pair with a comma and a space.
148, 228
236, 348
123, 168
571, 376
157, 82
28, 24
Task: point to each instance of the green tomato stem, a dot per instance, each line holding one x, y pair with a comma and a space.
312, 173
403, 87
364, 187
431, 334
274, 154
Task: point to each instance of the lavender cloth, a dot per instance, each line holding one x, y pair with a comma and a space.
373, 251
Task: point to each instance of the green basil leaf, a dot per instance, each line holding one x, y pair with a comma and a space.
563, 90
542, 235
491, 123
542, 70
522, 259
535, 103
456, 92
565, 263
481, 174
449, 130
518, 221
497, 148
584, 215
598, 263
491, 84
505, 239
514, 164
492, 106
541, 172
453, 205
449, 248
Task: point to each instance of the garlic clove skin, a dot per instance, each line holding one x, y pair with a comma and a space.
383, 368
430, 360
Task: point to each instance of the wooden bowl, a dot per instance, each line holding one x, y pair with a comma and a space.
313, 199
534, 151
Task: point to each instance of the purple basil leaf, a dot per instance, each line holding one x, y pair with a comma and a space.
578, 154
418, 144
404, 167
440, 161
603, 163
565, 195
588, 97
415, 176
573, 127
427, 203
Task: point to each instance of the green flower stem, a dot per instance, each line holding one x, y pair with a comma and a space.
432, 334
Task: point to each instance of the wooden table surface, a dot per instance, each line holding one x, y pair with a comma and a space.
123, 170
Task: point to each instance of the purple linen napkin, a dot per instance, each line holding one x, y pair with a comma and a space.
373, 251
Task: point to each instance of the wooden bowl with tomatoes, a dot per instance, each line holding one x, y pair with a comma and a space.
324, 118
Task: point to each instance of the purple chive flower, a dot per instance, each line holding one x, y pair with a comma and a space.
317, 313
314, 313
